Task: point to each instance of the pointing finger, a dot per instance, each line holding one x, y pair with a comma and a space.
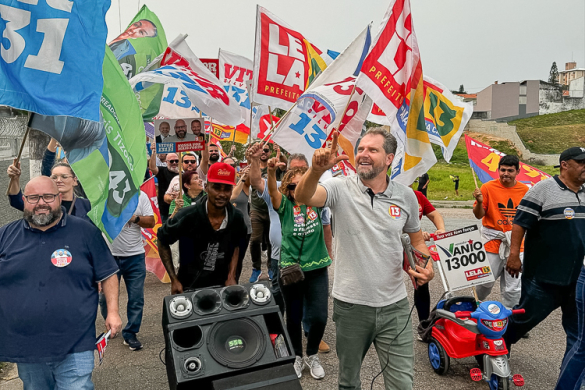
334, 142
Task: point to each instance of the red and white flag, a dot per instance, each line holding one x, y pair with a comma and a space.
392, 76
190, 87
285, 63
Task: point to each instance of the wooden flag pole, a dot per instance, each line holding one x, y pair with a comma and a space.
17, 160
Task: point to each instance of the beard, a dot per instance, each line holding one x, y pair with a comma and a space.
214, 157
173, 169
42, 220
372, 173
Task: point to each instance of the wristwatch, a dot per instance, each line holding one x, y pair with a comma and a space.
137, 219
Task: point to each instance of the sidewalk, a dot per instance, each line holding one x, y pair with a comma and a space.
452, 204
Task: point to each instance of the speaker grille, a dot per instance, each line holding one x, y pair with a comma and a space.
236, 343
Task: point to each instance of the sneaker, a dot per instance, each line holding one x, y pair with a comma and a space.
314, 364
324, 347
133, 343
270, 274
255, 275
299, 365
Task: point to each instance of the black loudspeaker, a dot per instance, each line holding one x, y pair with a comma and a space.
216, 334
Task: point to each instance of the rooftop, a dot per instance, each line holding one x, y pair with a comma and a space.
571, 70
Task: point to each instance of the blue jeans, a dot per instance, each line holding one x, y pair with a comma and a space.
309, 296
539, 300
72, 373
573, 368
133, 270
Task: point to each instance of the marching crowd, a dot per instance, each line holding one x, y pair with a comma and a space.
59, 266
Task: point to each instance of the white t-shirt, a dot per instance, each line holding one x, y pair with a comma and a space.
129, 241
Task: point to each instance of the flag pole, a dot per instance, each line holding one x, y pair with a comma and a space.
272, 130
476, 187
17, 160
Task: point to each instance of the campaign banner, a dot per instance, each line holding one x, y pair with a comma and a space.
392, 76
45, 46
463, 258
140, 43
192, 87
235, 72
484, 160
153, 261
237, 134
320, 108
212, 64
179, 135
285, 63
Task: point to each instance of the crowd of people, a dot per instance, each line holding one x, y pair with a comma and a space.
56, 258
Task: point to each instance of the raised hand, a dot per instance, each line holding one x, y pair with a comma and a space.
478, 195
326, 158
254, 151
14, 169
273, 163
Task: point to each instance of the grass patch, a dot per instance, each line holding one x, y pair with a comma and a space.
441, 185
552, 133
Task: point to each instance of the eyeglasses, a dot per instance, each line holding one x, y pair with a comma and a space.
173, 161
180, 127
63, 177
34, 199
291, 186
189, 162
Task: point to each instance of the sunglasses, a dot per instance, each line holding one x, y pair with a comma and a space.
291, 186
266, 150
173, 161
188, 161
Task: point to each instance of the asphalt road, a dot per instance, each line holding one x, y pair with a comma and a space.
537, 358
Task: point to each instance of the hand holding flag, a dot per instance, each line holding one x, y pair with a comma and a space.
325, 158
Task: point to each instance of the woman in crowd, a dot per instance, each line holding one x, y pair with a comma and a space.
303, 243
192, 191
66, 181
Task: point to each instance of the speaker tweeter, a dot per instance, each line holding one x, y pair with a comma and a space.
235, 297
193, 365
206, 302
180, 307
260, 294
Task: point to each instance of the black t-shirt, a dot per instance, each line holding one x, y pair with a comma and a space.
164, 177
205, 253
422, 180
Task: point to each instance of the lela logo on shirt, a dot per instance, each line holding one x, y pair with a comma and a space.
61, 258
394, 212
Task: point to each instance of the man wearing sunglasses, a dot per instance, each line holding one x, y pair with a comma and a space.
190, 163
50, 267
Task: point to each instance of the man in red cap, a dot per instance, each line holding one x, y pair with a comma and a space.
211, 234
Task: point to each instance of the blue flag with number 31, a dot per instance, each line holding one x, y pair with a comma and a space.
51, 55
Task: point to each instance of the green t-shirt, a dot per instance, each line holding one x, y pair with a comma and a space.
187, 201
292, 221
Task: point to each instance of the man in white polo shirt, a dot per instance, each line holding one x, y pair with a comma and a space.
370, 212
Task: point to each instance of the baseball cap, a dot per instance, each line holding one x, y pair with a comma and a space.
574, 153
221, 173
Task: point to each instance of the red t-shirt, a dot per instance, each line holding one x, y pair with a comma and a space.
424, 206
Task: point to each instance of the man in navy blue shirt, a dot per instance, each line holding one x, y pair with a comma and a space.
50, 267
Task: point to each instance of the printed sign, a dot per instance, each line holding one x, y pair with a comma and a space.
463, 258
179, 135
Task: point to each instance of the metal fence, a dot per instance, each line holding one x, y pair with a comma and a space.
12, 131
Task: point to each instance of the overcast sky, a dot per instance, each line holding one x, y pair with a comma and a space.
469, 42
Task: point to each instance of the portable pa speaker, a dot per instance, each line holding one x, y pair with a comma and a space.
214, 334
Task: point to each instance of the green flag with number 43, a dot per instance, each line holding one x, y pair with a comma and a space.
112, 174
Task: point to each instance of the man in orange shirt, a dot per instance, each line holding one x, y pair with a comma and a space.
496, 204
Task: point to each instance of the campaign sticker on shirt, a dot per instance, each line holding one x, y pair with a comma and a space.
297, 210
61, 258
299, 219
569, 213
394, 212
312, 214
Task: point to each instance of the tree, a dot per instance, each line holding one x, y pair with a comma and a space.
553, 74
462, 89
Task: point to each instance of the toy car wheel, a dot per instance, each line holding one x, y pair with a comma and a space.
438, 357
498, 383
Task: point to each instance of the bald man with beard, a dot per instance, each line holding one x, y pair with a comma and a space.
50, 267
181, 134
